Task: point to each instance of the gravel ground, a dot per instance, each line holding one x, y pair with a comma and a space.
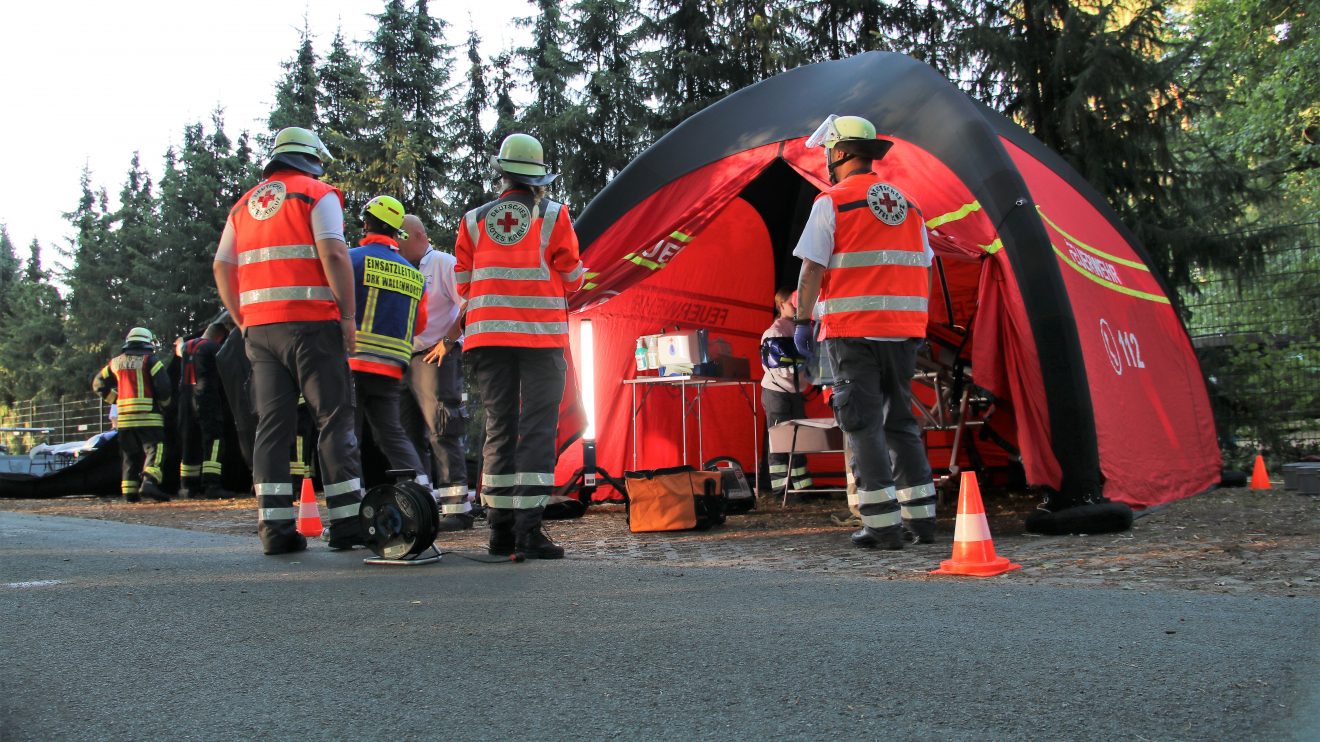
1235, 541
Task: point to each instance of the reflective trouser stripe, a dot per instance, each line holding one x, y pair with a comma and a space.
344, 511
879, 508
779, 468
129, 486
343, 488
802, 484
276, 503
918, 502
515, 502
211, 467
778, 484
190, 470
453, 499
296, 467
152, 468
799, 471
534, 479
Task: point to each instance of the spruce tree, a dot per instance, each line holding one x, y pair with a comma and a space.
612, 130
506, 113
135, 238
32, 338
296, 92
683, 67
345, 104
9, 266
552, 117
1102, 84
94, 279
756, 40
471, 181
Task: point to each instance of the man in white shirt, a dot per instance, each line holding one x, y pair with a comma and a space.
434, 412
866, 254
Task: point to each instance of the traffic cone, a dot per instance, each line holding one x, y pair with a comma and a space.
973, 551
1259, 479
309, 517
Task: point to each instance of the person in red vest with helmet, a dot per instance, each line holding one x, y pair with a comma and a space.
866, 256
137, 382
283, 272
517, 258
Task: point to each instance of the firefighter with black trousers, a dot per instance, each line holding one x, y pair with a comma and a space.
866, 254
390, 309
136, 381
201, 415
517, 258
283, 272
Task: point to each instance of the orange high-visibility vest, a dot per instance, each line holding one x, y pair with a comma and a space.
515, 264
132, 376
876, 284
280, 278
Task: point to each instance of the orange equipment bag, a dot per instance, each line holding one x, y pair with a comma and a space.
674, 499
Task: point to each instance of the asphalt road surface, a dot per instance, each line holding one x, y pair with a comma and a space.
114, 631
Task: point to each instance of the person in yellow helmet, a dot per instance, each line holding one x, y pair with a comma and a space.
283, 272
390, 297
866, 257
137, 383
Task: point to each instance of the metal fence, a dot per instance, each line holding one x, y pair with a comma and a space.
1258, 339
27, 424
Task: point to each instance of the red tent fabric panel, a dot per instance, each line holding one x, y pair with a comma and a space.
1153, 420
696, 289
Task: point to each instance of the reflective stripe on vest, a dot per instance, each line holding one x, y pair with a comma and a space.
514, 297
280, 278
877, 282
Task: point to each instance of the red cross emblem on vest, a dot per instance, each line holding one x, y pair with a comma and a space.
887, 204
266, 200
507, 222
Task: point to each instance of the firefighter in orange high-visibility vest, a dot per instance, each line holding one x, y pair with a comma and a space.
517, 258
138, 384
283, 272
865, 254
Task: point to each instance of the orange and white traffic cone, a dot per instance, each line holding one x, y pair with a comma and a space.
309, 517
973, 550
1259, 479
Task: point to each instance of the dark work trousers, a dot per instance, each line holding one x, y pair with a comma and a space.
141, 452
310, 356
201, 443
378, 405
236, 376
520, 392
873, 405
781, 407
434, 413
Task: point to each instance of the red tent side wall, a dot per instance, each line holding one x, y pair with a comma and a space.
1153, 420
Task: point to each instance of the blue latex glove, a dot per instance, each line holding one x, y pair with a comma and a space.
802, 338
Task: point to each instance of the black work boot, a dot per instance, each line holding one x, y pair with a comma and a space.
529, 540
280, 537
455, 522
537, 545
153, 490
919, 531
501, 532
890, 539
346, 534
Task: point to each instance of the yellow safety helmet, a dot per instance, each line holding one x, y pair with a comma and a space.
522, 160
300, 149
387, 209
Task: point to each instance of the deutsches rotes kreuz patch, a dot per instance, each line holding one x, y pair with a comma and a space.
266, 200
508, 222
888, 205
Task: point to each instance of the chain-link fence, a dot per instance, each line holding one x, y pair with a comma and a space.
27, 424
1258, 339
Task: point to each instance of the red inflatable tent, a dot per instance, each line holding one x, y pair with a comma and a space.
1046, 297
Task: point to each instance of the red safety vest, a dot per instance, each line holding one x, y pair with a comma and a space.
515, 265
280, 278
876, 284
135, 393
